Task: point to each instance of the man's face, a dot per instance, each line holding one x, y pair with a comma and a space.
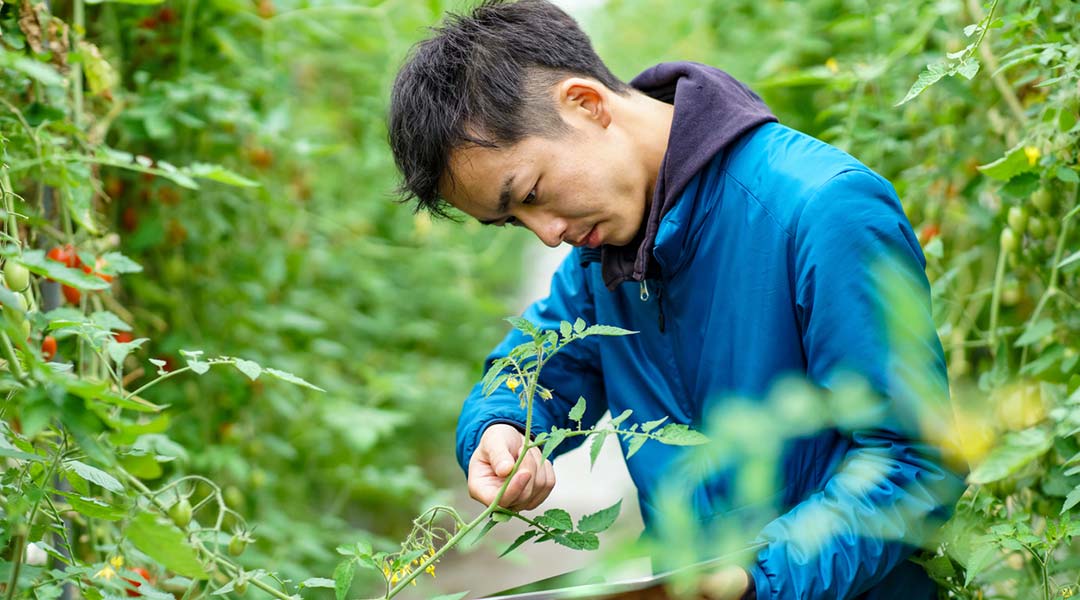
586, 187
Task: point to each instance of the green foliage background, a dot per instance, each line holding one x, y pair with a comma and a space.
315, 271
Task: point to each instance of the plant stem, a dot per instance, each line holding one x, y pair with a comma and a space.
991, 61
1051, 286
995, 298
78, 10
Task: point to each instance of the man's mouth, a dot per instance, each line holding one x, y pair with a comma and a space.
591, 239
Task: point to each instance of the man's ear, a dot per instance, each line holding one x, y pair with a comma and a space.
581, 98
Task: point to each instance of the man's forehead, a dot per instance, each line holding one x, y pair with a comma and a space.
478, 177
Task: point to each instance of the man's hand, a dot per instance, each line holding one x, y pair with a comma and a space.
729, 583
492, 462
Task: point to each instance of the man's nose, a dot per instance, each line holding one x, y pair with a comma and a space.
549, 228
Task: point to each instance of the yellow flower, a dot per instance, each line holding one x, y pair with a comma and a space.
431, 571
117, 561
386, 571
106, 572
832, 65
1033, 154
394, 579
545, 393
513, 383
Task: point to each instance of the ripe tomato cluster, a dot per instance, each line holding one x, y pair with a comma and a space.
67, 255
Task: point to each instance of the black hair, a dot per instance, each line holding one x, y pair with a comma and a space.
483, 79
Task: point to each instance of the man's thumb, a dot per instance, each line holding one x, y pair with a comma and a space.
502, 462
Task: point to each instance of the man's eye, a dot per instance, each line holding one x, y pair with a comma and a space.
530, 198
509, 221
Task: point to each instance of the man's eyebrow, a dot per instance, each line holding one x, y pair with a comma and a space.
504, 199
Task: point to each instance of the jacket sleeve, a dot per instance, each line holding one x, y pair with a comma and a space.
573, 372
863, 301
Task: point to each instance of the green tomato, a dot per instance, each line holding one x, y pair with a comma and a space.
16, 276
237, 545
1043, 200
180, 513
1009, 243
241, 586
1036, 227
1018, 219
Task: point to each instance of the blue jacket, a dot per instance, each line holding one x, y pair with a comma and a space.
770, 264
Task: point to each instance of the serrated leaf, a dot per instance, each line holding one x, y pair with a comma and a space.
93, 507
343, 578
219, 174
1012, 164
1067, 175
282, 375
928, 77
165, 543
521, 539
118, 351
1035, 332
556, 518
578, 541
557, 436
595, 447
680, 435
116, 263
524, 325
566, 329
94, 475
650, 425
109, 321
606, 330
1071, 500
635, 444
249, 368
578, 411
624, 415
600, 520
1016, 451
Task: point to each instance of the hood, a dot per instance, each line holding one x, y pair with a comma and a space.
712, 109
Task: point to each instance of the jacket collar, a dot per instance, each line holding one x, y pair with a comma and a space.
712, 109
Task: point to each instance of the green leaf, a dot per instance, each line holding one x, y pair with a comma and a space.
578, 540
1012, 164
1067, 175
94, 475
984, 554
219, 174
118, 351
165, 543
650, 425
557, 436
596, 446
556, 518
343, 578
457, 596
1071, 500
109, 321
680, 435
579, 325
578, 411
318, 582
1072, 258
1035, 332
566, 329
521, 539
35, 261
116, 263
292, 379
1016, 451
93, 507
600, 520
607, 330
616, 421
525, 326
635, 444
249, 368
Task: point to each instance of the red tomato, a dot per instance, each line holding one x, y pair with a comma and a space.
929, 232
123, 336
48, 347
141, 572
64, 254
71, 294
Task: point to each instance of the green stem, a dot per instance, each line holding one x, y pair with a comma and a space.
20, 541
185, 36
79, 27
995, 298
9, 354
150, 384
1051, 286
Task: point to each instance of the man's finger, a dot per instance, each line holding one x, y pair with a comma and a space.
514, 491
500, 459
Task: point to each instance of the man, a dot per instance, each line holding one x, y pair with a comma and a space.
739, 249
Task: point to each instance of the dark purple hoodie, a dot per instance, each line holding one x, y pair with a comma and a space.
712, 109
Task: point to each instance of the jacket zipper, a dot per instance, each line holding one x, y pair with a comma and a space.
659, 302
